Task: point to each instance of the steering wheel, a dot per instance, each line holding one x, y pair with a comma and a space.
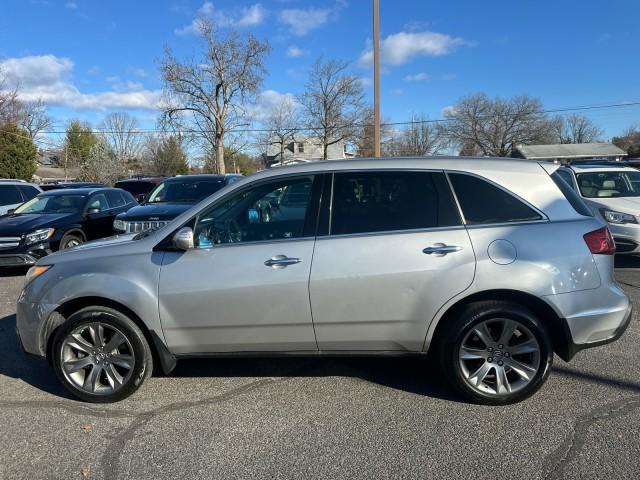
232, 231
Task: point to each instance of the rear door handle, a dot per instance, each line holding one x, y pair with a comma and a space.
281, 261
440, 249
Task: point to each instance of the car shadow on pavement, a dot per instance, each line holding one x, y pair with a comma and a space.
594, 378
28, 368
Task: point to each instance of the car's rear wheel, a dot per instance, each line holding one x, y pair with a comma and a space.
496, 353
101, 355
70, 240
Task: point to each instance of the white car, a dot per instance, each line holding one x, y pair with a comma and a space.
14, 193
613, 192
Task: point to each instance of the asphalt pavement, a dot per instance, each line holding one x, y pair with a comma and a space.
317, 418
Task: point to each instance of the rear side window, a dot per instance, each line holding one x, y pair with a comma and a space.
570, 194
115, 199
388, 201
9, 195
28, 191
482, 202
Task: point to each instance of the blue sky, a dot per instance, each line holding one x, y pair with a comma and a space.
86, 58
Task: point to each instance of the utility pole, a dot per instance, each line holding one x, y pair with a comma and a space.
376, 78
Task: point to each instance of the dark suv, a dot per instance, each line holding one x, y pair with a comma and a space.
59, 219
169, 199
139, 187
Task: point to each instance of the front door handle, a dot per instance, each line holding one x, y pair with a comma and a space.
440, 249
281, 261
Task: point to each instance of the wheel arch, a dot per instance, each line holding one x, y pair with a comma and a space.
161, 355
74, 230
554, 323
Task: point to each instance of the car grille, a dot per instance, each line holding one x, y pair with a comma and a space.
136, 227
9, 242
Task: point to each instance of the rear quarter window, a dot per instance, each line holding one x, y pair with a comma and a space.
10, 195
484, 203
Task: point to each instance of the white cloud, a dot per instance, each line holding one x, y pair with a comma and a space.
365, 81
301, 21
239, 17
267, 101
418, 77
71, 5
48, 77
399, 48
448, 110
294, 51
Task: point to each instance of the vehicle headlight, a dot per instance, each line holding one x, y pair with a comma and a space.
612, 216
120, 225
35, 271
39, 235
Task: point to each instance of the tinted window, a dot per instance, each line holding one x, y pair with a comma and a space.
566, 176
387, 201
189, 191
136, 188
482, 202
270, 211
9, 195
570, 194
28, 191
115, 199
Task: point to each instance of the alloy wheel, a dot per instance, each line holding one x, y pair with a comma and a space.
499, 357
97, 358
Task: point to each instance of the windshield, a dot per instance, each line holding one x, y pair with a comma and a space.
187, 191
53, 204
609, 184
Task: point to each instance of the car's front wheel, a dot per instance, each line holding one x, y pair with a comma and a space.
101, 355
496, 352
70, 240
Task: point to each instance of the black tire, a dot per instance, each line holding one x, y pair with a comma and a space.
142, 356
70, 240
450, 340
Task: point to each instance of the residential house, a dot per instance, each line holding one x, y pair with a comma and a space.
303, 149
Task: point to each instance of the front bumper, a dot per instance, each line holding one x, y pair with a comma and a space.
33, 320
627, 238
17, 260
24, 255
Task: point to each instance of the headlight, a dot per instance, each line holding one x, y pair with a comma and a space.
35, 271
120, 225
612, 216
39, 235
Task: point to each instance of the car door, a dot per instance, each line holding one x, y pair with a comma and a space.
98, 224
244, 287
395, 252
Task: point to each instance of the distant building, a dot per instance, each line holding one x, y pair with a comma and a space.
304, 149
570, 152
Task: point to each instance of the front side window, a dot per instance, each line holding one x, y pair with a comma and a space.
483, 202
52, 204
270, 211
368, 202
98, 201
609, 184
116, 199
9, 195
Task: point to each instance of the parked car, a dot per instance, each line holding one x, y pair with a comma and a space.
57, 220
139, 187
169, 199
490, 264
15, 192
613, 192
60, 185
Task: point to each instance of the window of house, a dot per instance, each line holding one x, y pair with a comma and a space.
270, 211
389, 201
483, 202
300, 147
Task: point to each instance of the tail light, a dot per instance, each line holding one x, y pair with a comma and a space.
600, 242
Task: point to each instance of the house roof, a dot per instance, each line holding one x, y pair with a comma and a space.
570, 150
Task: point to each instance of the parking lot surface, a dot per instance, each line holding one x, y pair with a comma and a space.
322, 418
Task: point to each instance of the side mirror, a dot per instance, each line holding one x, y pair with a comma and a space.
183, 239
10, 211
140, 198
93, 210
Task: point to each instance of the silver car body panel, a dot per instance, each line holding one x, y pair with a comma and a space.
362, 292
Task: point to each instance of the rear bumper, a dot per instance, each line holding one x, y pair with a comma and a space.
591, 318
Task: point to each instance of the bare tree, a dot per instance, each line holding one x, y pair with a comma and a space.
333, 103
419, 137
209, 95
121, 132
629, 141
34, 118
102, 165
576, 129
10, 105
495, 127
280, 125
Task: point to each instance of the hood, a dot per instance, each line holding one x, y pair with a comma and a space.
630, 205
17, 225
87, 249
160, 211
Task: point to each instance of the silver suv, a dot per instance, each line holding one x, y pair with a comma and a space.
490, 265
